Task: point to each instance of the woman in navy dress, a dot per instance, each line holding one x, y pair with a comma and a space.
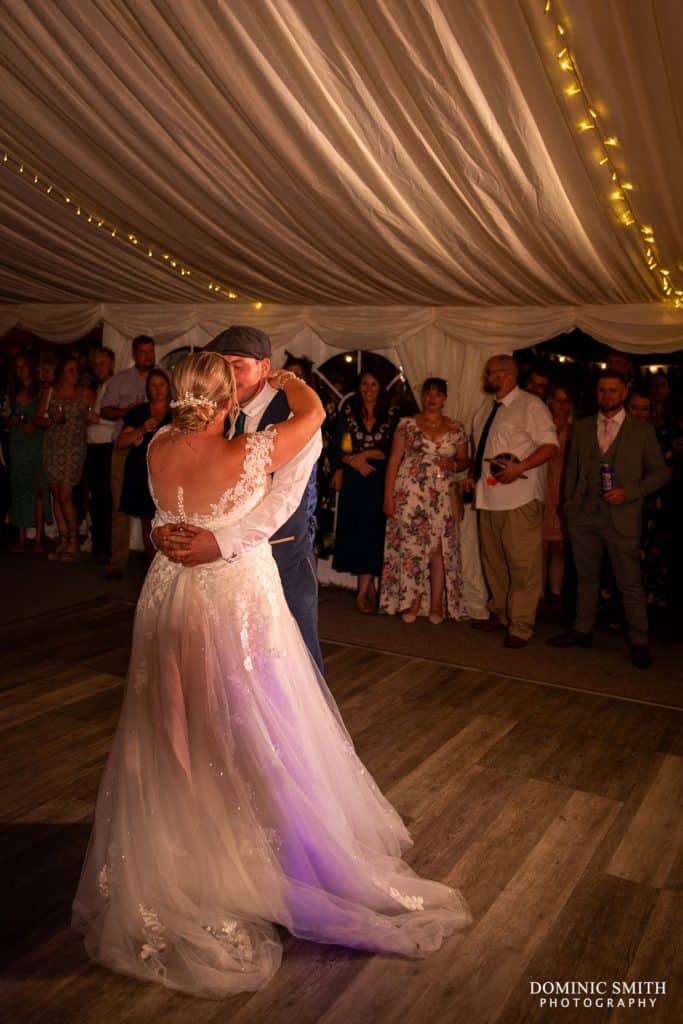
360, 448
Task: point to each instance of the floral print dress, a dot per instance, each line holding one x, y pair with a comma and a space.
425, 517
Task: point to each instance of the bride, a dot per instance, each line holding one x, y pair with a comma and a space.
233, 800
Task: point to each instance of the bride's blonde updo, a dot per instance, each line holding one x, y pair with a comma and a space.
202, 384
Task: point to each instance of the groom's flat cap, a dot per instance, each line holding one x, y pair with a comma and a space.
241, 340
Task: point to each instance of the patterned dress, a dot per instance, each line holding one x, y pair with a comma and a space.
425, 518
359, 541
64, 448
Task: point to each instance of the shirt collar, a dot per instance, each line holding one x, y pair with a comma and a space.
509, 398
257, 405
618, 417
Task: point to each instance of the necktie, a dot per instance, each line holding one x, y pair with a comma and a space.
239, 424
479, 455
605, 433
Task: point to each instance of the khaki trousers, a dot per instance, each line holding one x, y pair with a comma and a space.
512, 557
120, 522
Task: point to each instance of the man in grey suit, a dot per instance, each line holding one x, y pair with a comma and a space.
614, 462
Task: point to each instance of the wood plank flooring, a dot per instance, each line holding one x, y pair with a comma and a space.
558, 814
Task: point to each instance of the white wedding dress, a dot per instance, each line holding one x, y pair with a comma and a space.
233, 800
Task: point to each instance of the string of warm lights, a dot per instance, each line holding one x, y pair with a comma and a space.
168, 260
620, 189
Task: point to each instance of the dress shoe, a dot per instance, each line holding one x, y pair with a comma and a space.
640, 656
488, 625
514, 642
572, 638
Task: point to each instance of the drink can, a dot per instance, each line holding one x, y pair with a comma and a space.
606, 477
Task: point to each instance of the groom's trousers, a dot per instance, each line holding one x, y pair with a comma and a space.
300, 584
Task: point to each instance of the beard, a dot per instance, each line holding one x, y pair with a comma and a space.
490, 389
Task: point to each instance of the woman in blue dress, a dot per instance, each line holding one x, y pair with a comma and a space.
359, 452
29, 492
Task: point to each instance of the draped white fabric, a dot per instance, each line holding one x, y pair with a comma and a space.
318, 153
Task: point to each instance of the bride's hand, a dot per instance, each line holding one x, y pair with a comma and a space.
279, 378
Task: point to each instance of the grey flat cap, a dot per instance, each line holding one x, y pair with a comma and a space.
241, 340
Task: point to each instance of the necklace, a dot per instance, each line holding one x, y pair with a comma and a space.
432, 428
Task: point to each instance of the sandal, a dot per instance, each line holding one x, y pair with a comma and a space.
72, 549
56, 555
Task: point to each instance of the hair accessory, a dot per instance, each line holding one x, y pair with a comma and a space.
190, 399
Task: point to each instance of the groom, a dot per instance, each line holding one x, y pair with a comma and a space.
285, 514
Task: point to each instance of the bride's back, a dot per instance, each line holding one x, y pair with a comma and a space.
195, 476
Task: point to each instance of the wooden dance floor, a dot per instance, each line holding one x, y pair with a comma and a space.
557, 812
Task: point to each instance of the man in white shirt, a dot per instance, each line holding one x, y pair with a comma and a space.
286, 514
509, 497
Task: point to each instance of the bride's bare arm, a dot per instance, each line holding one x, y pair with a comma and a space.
293, 434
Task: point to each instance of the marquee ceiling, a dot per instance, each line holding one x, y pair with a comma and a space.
339, 152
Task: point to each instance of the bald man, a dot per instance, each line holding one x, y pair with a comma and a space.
510, 504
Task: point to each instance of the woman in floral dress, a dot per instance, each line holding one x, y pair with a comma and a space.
359, 452
422, 570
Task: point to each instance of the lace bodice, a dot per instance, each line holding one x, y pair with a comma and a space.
232, 503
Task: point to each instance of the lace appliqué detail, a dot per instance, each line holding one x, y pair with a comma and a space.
210, 583
234, 938
409, 902
250, 485
154, 944
141, 677
259, 449
103, 882
161, 574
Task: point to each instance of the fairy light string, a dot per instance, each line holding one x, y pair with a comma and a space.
619, 187
172, 263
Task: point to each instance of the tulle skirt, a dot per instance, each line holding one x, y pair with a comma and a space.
233, 801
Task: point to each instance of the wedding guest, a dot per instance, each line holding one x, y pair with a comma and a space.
29, 492
360, 448
661, 406
614, 462
537, 381
140, 424
514, 437
302, 366
622, 364
98, 458
422, 572
62, 412
126, 390
656, 542
638, 405
555, 535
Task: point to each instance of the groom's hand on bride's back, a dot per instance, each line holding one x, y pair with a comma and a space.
185, 544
